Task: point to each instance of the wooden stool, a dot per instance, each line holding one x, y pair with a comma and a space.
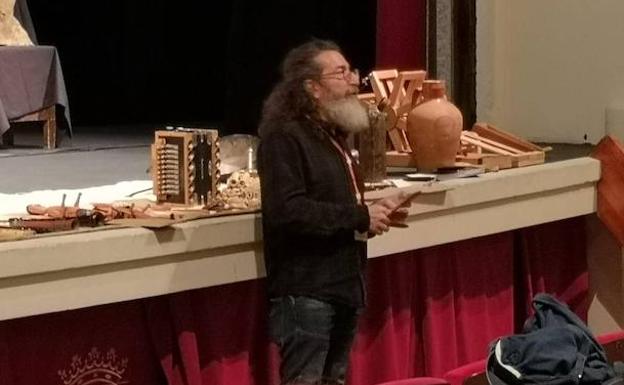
47, 116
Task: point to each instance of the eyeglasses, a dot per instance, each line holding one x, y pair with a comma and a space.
343, 73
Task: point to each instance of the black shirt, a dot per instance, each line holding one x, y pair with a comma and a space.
310, 215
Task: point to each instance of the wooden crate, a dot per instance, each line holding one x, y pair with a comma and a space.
487, 139
490, 162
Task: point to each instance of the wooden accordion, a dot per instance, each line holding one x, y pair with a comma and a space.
185, 166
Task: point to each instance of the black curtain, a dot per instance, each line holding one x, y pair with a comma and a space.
166, 62
261, 32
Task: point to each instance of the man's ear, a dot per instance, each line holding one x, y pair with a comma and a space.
313, 88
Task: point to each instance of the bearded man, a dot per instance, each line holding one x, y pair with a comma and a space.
315, 221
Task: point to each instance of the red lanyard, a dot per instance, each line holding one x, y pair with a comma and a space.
350, 167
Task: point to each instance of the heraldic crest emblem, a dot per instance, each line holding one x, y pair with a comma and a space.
95, 369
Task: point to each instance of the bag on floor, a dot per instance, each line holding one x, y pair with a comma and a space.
556, 348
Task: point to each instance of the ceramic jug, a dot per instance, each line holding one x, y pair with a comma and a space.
434, 128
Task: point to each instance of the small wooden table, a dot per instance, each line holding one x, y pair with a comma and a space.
31, 88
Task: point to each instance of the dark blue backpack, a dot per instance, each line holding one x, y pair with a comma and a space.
556, 348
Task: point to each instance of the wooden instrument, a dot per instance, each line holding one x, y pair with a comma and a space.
185, 166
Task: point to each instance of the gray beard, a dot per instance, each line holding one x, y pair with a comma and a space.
348, 113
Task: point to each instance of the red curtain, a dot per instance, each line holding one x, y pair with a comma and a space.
214, 336
98, 345
552, 259
401, 34
434, 309
429, 311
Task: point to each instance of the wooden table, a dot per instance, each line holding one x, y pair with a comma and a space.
31, 89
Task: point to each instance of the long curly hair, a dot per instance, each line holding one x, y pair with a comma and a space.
289, 99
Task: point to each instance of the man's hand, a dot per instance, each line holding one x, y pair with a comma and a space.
386, 212
379, 212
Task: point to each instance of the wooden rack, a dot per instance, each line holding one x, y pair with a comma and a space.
493, 148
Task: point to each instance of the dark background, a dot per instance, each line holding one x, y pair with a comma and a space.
165, 62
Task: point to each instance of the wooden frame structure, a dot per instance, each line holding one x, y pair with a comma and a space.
394, 92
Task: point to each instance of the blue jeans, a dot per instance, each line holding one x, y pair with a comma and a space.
314, 337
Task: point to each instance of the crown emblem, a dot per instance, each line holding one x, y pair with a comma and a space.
96, 368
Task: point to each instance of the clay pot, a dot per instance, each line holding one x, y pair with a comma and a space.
434, 128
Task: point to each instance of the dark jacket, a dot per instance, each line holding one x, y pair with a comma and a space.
556, 348
310, 213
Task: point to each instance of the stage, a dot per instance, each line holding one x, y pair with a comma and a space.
187, 304
97, 156
94, 156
